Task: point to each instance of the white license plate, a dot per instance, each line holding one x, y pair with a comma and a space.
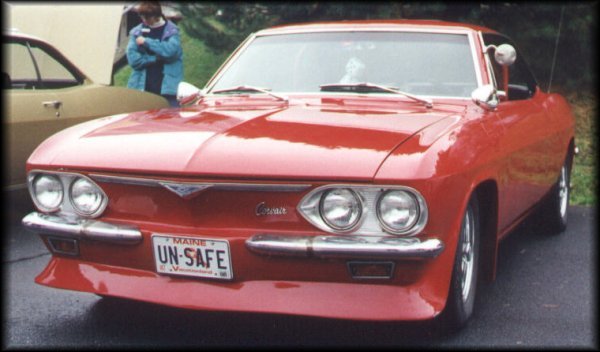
191, 256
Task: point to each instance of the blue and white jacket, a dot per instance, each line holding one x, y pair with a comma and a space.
168, 49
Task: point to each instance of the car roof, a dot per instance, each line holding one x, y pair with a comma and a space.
370, 24
16, 33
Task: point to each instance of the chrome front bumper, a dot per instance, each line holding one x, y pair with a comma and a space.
82, 229
390, 248
345, 247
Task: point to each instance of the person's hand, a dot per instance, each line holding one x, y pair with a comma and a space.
140, 40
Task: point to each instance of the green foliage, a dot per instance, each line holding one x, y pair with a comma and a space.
222, 26
584, 175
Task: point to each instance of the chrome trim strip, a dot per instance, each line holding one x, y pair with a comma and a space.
137, 181
476, 63
345, 247
414, 28
225, 186
81, 228
487, 62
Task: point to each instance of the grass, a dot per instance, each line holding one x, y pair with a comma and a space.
200, 63
584, 175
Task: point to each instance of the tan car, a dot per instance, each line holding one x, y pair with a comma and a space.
46, 93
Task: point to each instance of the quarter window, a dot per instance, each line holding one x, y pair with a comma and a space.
51, 70
19, 71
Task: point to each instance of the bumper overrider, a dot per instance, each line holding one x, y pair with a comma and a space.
77, 228
389, 248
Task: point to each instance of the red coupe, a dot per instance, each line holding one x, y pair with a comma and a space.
356, 170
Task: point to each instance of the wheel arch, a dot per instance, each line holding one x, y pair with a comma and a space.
487, 196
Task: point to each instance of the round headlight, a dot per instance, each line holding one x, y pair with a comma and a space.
47, 191
86, 197
341, 209
398, 211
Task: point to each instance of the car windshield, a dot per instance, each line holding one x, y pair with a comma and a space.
429, 64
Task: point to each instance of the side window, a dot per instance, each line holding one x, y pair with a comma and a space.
54, 74
521, 82
18, 71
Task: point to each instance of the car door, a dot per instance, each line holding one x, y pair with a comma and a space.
527, 141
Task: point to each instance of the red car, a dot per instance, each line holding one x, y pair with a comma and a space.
355, 170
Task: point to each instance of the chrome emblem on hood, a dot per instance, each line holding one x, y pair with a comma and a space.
185, 191
262, 209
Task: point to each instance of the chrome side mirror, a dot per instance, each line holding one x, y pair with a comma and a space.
486, 97
504, 54
187, 93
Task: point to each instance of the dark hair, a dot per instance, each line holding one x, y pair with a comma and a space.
149, 8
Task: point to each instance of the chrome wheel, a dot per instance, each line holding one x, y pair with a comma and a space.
463, 284
553, 216
467, 254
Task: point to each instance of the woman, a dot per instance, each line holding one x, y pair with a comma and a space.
154, 52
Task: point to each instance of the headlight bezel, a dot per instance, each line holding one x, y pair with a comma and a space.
369, 223
66, 206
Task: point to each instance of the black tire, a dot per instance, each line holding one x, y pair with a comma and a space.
554, 212
463, 285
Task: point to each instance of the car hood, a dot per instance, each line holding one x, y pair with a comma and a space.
98, 23
278, 142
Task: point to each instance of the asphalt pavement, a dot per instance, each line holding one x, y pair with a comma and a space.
544, 296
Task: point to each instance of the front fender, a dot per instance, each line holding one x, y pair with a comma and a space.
446, 162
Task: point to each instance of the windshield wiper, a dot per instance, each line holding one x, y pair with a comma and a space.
365, 85
250, 89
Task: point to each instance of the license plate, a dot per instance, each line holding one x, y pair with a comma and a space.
191, 256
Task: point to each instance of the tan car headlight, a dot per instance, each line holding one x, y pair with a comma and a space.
87, 198
47, 192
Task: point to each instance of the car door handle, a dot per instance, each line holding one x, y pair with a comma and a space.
54, 103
